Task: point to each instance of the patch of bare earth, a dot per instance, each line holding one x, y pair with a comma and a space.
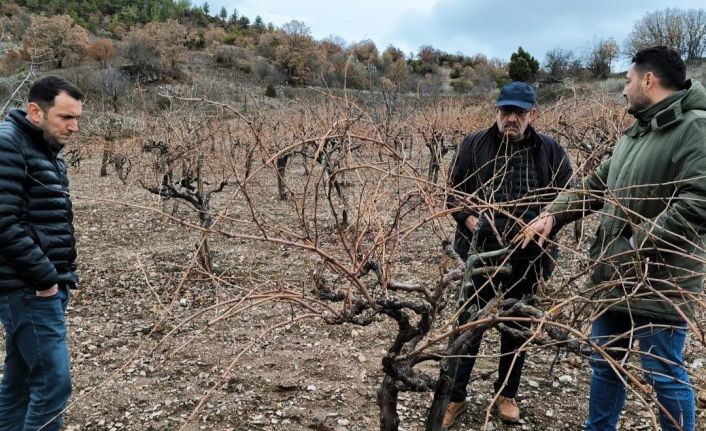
305, 375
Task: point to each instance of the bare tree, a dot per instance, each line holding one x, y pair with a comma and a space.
557, 64
682, 30
695, 28
601, 57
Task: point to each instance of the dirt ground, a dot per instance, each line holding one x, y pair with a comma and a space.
305, 375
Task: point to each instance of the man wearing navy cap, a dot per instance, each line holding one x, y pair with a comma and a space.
501, 177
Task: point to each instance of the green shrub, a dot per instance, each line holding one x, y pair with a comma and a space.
270, 91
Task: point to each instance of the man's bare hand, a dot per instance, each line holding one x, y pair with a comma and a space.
471, 223
539, 228
48, 292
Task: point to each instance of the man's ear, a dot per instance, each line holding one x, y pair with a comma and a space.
649, 80
35, 114
533, 114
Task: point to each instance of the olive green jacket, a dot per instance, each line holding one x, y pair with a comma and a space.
652, 190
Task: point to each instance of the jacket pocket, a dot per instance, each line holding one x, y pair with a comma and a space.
614, 257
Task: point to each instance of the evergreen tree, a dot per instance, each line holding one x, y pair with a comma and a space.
243, 22
233, 17
522, 67
259, 24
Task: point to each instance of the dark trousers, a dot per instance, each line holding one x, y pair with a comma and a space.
36, 382
523, 280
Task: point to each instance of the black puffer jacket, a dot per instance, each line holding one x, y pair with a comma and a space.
529, 174
37, 246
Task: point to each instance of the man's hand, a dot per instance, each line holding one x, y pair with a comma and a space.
539, 227
471, 223
48, 292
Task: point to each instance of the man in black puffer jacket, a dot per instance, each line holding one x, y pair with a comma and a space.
512, 171
37, 255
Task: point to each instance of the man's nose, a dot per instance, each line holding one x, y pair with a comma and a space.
73, 126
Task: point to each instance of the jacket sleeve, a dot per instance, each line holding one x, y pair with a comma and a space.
576, 203
17, 248
459, 182
685, 215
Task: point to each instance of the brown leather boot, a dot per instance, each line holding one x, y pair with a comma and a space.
453, 410
507, 409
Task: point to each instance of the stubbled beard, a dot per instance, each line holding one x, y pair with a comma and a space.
639, 104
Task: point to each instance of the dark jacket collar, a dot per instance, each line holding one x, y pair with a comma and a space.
36, 134
646, 120
647, 114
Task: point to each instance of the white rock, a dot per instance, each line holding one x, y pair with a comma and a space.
311, 388
698, 363
549, 413
566, 379
343, 422
533, 383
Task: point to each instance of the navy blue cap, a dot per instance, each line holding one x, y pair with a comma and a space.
517, 94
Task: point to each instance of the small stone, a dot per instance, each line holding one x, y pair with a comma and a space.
490, 427
343, 422
533, 384
698, 363
566, 379
311, 388
549, 413
362, 358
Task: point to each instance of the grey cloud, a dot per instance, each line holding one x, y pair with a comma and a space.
500, 27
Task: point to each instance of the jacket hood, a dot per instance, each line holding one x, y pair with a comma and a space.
695, 97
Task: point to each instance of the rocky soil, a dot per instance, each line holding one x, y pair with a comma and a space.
131, 373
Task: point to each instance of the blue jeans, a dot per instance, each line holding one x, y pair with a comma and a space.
661, 345
36, 380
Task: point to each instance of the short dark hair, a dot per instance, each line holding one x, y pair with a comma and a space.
46, 88
665, 63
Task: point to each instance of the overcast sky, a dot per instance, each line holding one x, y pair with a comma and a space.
493, 28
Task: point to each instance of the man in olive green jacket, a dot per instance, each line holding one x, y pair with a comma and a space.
650, 248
